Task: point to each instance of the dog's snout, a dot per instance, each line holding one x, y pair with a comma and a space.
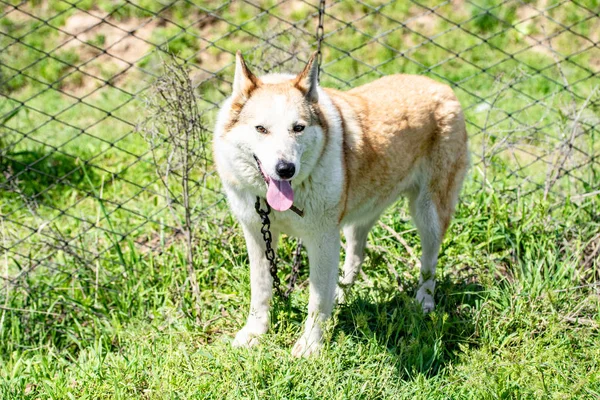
285, 169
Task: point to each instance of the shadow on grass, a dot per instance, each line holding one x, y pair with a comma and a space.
417, 343
40, 174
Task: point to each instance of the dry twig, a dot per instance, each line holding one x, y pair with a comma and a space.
178, 139
404, 243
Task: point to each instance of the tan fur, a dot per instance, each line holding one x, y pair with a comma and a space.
392, 123
358, 151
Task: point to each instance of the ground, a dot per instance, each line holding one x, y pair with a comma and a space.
111, 315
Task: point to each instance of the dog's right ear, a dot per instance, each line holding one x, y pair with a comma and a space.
244, 81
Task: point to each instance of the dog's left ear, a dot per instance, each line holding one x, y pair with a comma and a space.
308, 80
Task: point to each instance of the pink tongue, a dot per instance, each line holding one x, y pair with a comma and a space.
280, 195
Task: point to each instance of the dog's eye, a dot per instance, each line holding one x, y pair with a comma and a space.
298, 128
261, 129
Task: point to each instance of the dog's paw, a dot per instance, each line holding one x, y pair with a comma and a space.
425, 298
246, 338
307, 345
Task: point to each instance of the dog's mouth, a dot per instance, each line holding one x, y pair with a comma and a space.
280, 194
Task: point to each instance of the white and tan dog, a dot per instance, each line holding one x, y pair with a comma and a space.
343, 157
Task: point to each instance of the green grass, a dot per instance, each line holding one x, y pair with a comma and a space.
517, 317
110, 316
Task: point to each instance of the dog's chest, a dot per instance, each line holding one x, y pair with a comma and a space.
321, 211
319, 202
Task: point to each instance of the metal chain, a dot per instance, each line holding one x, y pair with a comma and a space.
270, 253
320, 34
264, 214
268, 238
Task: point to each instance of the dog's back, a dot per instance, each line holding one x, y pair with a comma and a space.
400, 131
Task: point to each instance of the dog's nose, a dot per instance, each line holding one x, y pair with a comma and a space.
285, 169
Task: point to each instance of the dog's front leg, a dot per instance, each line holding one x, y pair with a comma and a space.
261, 287
323, 256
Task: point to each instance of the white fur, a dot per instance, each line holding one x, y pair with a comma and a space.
319, 228
318, 188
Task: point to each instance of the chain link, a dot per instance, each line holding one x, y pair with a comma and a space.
270, 253
561, 165
268, 238
320, 35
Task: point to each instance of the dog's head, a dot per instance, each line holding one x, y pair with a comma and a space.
275, 124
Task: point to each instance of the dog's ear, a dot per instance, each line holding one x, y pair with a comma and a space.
308, 80
244, 81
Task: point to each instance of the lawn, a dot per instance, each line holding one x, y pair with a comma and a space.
95, 300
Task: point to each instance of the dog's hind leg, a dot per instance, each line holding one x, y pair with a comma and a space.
433, 202
426, 218
356, 241
261, 287
431, 207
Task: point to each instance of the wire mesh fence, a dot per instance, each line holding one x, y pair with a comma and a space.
81, 199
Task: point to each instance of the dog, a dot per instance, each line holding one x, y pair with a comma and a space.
343, 157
